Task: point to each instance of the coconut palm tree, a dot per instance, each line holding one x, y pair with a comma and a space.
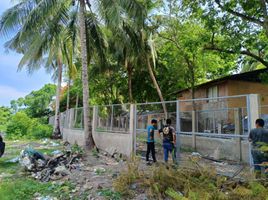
43, 43
34, 18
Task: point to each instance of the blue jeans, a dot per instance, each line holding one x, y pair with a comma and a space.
169, 148
258, 158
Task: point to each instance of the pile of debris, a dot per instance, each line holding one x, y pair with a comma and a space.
45, 168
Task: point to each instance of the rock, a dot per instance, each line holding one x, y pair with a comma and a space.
133, 186
87, 186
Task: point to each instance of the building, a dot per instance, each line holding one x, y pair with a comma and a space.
212, 114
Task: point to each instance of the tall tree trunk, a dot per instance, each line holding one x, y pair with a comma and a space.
68, 94
89, 142
190, 66
129, 75
56, 131
156, 86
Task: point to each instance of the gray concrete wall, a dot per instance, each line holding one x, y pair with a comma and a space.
114, 142
218, 148
73, 136
122, 142
107, 141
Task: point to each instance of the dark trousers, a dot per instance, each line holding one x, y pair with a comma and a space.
258, 158
150, 148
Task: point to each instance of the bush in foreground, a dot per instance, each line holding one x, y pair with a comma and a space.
193, 183
22, 126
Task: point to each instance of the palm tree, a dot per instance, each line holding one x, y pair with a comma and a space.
45, 45
48, 18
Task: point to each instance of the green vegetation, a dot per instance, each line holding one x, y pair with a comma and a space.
22, 126
37, 104
193, 183
26, 188
109, 194
5, 114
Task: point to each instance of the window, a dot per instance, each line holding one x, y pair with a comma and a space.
212, 93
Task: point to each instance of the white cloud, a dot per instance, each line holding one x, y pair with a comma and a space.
8, 93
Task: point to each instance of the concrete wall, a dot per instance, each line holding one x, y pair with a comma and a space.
114, 142
111, 142
107, 141
73, 136
218, 148
121, 143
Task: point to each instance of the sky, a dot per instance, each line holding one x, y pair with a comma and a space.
14, 84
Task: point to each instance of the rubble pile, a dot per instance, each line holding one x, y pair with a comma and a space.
46, 168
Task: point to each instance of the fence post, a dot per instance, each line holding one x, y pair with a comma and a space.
132, 126
71, 118
253, 114
94, 119
112, 118
238, 130
178, 128
193, 131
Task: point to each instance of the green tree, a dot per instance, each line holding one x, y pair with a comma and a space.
238, 27
5, 114
37, 104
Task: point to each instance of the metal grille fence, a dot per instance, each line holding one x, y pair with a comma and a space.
113, 118
215, 127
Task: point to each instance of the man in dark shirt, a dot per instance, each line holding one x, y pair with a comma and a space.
150, 140
258, 137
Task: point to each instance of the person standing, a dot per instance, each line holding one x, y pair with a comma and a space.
258, 136
169, 141
150, 140
2, 146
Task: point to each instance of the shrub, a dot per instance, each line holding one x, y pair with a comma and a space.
19, 125
22, 126
39, 130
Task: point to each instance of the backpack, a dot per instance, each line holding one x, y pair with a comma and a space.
167, 134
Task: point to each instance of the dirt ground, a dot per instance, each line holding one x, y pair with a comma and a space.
94, 175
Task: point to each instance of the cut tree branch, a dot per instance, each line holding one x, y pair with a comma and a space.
242, 52
238, 14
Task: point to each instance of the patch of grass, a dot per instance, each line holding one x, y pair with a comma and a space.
100, 171
95, 153
109, 194
25, 188
129, 176
21, 189
8, 167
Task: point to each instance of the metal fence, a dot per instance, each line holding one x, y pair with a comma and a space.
113, 118
72, 118
217, 127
